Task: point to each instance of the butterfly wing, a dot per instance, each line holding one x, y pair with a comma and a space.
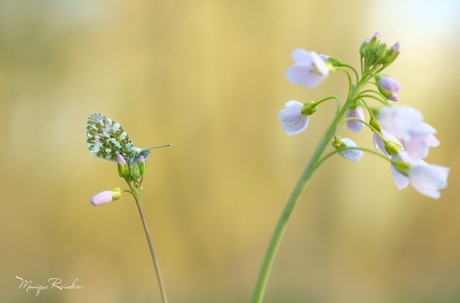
106, 139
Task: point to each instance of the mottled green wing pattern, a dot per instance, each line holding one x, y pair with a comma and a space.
106, 139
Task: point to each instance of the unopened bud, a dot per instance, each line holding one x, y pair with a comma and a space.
142, 165
134, 172
106, 196
375, 124
362, 48
381, 53
392, 147
392, 54
123, 168
373, 45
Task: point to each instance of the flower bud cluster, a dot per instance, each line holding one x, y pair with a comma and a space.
376, 53
132, 173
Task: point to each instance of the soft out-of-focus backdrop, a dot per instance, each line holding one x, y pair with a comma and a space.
208, 76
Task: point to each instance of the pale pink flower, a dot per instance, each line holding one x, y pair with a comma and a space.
292, 119
407, 123
427, 179
400, 120
309, 70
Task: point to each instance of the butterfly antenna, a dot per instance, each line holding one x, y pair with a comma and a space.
160, 146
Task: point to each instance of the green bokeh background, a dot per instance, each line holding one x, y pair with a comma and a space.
208, 76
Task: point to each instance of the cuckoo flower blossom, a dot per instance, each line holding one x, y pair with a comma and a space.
292, 119
407, 123
355, 125
350, 154
309, 70
427, 179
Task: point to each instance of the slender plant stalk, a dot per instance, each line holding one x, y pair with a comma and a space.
281, 226
152, 252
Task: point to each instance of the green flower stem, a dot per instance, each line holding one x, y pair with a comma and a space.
312, 165
164, 299
356, 148
290, 205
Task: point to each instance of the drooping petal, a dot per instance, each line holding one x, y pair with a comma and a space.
401, 180
351, 154
418, 147
419, 139
428, 179
354, 125
292, 120
432, 141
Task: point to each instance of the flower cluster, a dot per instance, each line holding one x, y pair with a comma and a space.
399, 132
133, 175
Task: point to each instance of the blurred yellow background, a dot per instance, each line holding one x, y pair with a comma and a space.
208, 76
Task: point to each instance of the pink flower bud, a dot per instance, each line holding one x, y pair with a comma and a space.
389, 84
122, 166
106, 196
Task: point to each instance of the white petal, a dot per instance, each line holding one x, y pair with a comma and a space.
400, 120
351, 154
319, 64
401, 180
302, 57
416, 148
293, 122
309, 70
429, 179
304, 75
432, 141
